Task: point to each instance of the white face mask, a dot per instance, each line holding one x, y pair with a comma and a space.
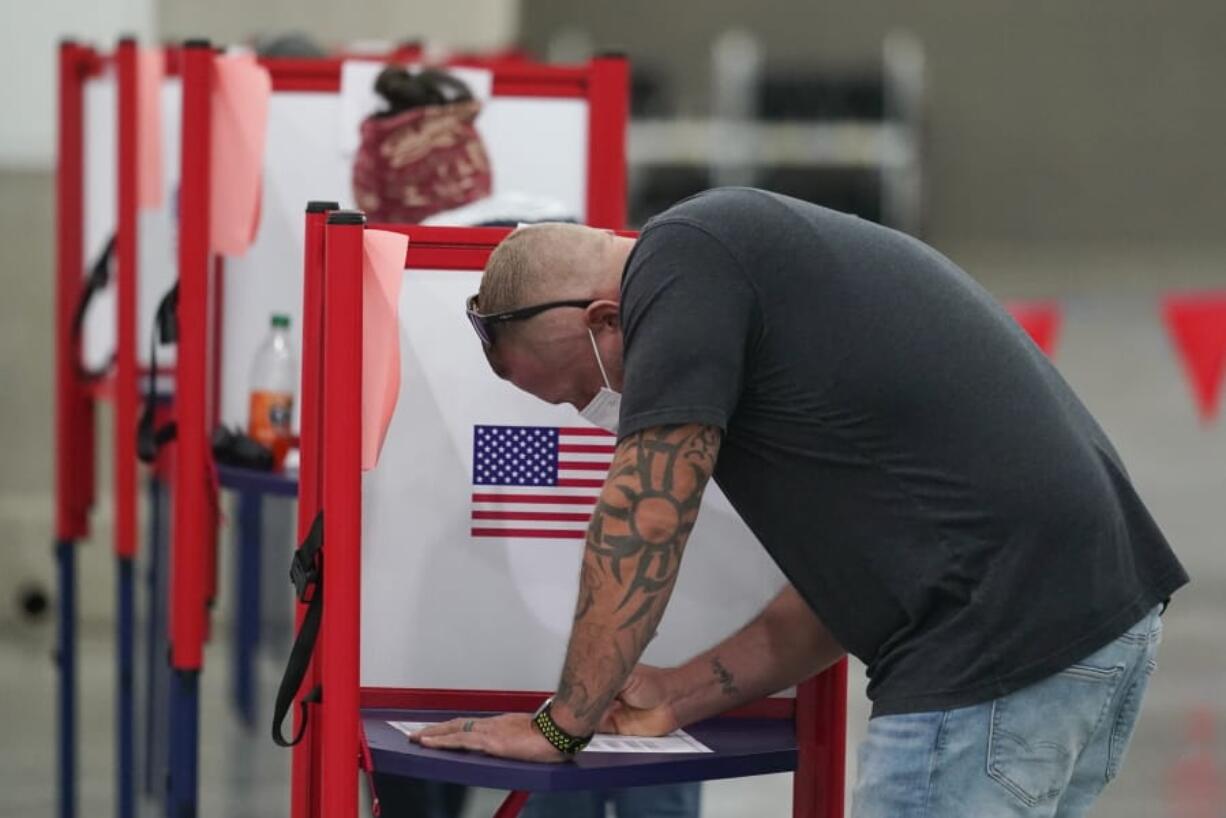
604, 409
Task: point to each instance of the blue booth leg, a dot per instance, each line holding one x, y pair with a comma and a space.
248, 568
156, 669
184, 743
125, 795
66, 656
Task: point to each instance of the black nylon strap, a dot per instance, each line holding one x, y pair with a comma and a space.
99, 276
165, 330
306, 572
97, 280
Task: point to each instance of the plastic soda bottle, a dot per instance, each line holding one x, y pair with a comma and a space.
273, 374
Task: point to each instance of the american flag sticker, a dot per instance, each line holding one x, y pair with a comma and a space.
537, 482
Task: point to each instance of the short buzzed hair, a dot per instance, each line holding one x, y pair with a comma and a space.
541, 262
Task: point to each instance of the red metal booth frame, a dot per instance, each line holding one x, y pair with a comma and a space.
604, 83
76, 396
330, 480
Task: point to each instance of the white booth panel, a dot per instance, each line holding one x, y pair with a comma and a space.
157, 264
538, 146
98, 343
442, 608
301, 162
157, 230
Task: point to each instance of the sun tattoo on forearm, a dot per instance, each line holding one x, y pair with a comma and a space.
633, 552
660, 474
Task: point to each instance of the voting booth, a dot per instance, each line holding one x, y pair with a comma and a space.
446, 586
551, 130
118, 132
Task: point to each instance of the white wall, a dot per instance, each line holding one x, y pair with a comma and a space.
29, 33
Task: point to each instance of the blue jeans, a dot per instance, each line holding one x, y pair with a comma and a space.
664, 801
1045, 750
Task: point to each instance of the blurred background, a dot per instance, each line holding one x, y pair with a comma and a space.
1070, 151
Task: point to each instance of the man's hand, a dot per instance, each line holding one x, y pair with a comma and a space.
508, 736
782, 646
643, 707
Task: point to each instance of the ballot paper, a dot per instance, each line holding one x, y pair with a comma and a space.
677, 741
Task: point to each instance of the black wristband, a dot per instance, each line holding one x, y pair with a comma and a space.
561, 740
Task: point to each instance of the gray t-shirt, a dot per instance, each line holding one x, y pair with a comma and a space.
911, 460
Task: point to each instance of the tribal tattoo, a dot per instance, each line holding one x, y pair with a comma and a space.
633, 552
638, 530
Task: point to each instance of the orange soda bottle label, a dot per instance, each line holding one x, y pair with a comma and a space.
270, 417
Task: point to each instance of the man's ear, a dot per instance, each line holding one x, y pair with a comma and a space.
604, 314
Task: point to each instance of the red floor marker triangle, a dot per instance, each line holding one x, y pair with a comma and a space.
1197, 324
1040, 319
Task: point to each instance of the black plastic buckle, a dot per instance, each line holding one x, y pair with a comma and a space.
166, 317
304, 573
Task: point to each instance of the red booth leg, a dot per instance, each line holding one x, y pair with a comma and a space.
513, 804
821, 735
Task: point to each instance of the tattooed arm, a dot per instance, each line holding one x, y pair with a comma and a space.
646, 511
784, 645
639, 528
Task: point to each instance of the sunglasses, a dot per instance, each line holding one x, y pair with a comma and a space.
483, 324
